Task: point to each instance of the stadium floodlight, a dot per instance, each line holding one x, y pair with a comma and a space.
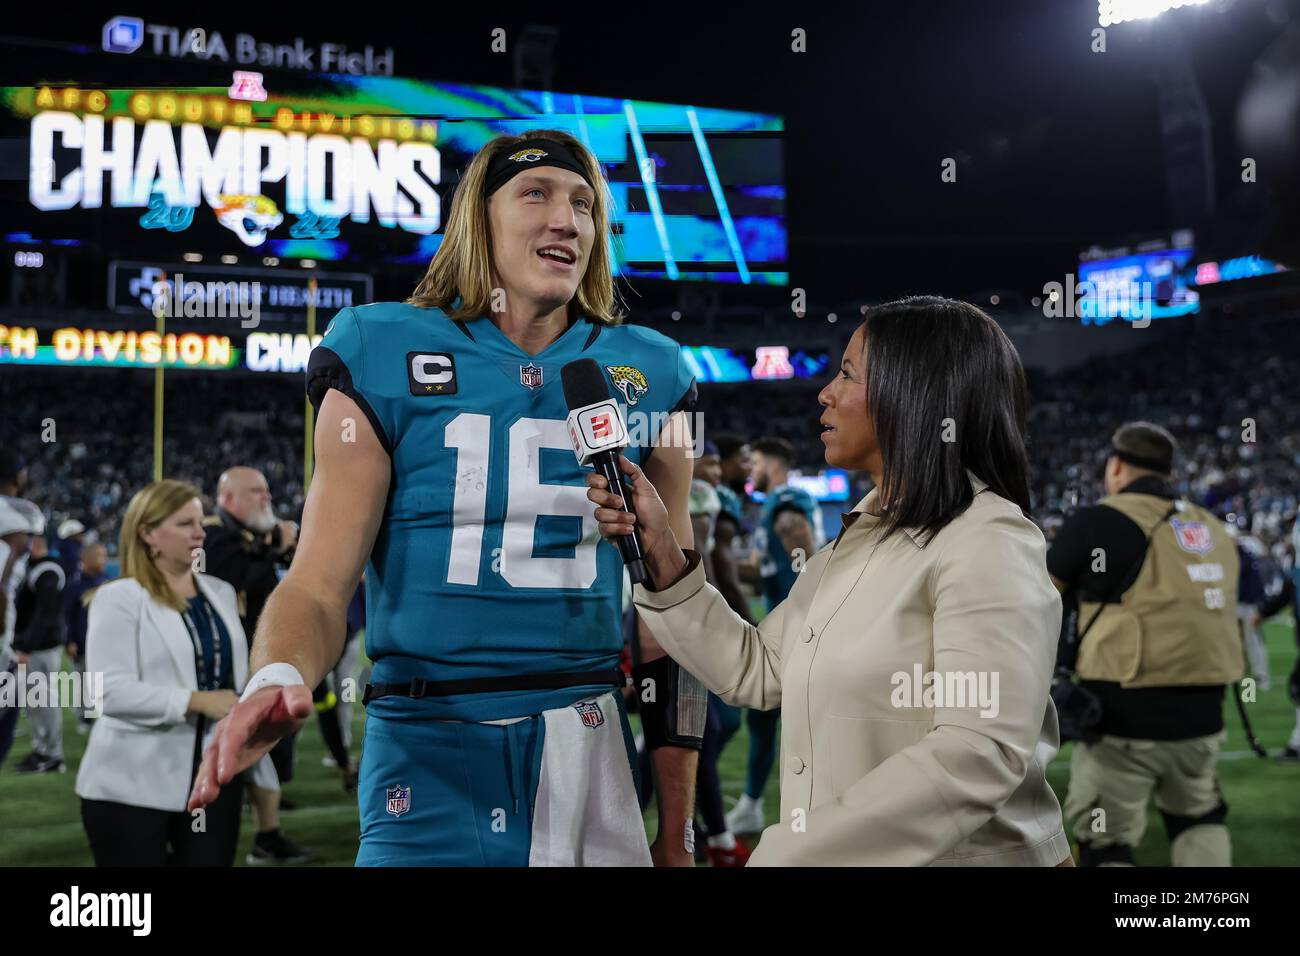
1122, 11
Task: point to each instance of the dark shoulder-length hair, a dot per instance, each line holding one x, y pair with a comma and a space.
946, 392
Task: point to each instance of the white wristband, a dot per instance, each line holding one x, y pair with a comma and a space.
272, 675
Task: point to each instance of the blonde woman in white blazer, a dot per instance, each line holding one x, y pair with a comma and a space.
174, 657
913, 656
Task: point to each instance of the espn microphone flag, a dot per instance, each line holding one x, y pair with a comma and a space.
597, 434
595, 428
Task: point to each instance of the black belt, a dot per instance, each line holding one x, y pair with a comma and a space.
419, 687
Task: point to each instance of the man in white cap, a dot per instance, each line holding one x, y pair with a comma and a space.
66, 547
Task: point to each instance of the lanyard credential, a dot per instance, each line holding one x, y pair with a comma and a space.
207, 681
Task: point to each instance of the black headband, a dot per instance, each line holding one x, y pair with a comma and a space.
528, 155
1164, 467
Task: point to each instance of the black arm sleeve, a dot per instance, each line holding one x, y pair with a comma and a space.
326, 370
1098, 551
1067, 558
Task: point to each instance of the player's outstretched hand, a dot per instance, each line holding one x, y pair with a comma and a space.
247, 734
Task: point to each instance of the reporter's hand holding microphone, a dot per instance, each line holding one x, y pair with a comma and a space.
598, 435
664, 557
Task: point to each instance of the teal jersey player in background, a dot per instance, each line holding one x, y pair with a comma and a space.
730, 527
789, 530
496, 732
731, 506
780, 563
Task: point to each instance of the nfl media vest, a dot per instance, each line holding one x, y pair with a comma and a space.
1177, 625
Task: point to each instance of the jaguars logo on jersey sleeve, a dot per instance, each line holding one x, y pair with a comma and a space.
630, 381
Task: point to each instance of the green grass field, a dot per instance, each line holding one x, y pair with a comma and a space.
40, 823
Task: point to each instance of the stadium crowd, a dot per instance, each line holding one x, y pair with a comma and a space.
1225, 393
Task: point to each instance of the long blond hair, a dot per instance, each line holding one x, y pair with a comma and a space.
461, 268
149, 507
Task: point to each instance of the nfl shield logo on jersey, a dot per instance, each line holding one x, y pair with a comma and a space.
399, 800
1193, 536
530, 376
590, 712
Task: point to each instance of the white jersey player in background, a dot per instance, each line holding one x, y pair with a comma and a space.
19, 521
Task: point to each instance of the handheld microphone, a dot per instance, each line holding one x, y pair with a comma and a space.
597, 433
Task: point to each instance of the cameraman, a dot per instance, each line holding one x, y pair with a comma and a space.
1156, 582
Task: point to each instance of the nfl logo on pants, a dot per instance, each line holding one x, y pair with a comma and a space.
399, 800
590, 712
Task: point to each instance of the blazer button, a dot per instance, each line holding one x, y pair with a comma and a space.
809, 634
797, 764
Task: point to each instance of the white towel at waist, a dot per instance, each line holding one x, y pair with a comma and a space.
586, 812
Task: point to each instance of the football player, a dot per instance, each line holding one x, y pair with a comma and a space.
496, 732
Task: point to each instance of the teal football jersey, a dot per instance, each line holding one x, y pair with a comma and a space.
488, 562
777, 565
731, 506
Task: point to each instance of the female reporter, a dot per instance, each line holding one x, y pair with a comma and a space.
913, 656
173, 655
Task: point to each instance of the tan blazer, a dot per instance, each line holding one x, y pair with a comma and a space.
871, 772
